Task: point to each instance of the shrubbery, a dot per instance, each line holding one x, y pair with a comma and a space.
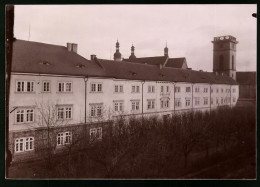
160, 148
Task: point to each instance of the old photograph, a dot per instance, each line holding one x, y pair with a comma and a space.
164, 91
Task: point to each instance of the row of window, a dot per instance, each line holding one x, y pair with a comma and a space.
28, 86
64, 138
26, 115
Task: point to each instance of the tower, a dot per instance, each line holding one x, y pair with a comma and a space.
224, 55
132, 56
166, 51
117, 54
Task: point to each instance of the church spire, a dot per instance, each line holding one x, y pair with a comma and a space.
132, 57
166, 51
117, 54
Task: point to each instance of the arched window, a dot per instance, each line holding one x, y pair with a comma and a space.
233, 63
221, 62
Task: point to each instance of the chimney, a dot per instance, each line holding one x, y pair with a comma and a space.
92, 57
69, 46
74, 48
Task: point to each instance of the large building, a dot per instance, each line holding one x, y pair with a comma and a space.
53, 85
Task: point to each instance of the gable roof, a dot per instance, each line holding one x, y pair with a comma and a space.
248, 78
177, 63
33, 57
157, 60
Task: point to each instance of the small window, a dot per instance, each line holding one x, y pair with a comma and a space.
188, 102
187, 89
205, 100
24, 144
96, 110
177, 102
23, 115
24, 86
64, 138
150, 104
64, 112
64, 86
151, 89
46, 86
197, 100
118, 106
135, 89
95, 133
119, 89
96, 87
165, 103
177, 89
205, 90
135, 105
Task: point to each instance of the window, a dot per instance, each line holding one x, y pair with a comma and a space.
135, 89
178, 102
205, 100
217, 90
165, 103
234, 90
177, 89
221, 100
205, 90
119, 88
119, 106
96, 110
95, 133
151, 89
23, 115
197, 89
162, 89
24, 144
187, 102
25, 86
135, 105
96, 87
212, 101
150, 104
222, 90
64, 112
187, 89
211, 90
65, 87
63, 138
234, 99
217, 101
167, 89
46, 86
197, 100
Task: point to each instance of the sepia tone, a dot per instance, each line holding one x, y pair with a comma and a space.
155, 117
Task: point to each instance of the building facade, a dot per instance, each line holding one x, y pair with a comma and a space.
54, 87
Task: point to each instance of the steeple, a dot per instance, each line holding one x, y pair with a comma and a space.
224, 55
166, 51
132, 56
117, 54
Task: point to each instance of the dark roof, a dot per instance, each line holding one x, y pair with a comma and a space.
157, 60
30, 57
176, 62
33, 57
248, 78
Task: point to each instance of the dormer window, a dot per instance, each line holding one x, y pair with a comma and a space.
80, 66
45, 62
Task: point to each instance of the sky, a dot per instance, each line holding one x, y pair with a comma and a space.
187, 29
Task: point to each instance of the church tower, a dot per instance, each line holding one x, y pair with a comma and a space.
132, 57
117, 54
166, 51
224, 55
